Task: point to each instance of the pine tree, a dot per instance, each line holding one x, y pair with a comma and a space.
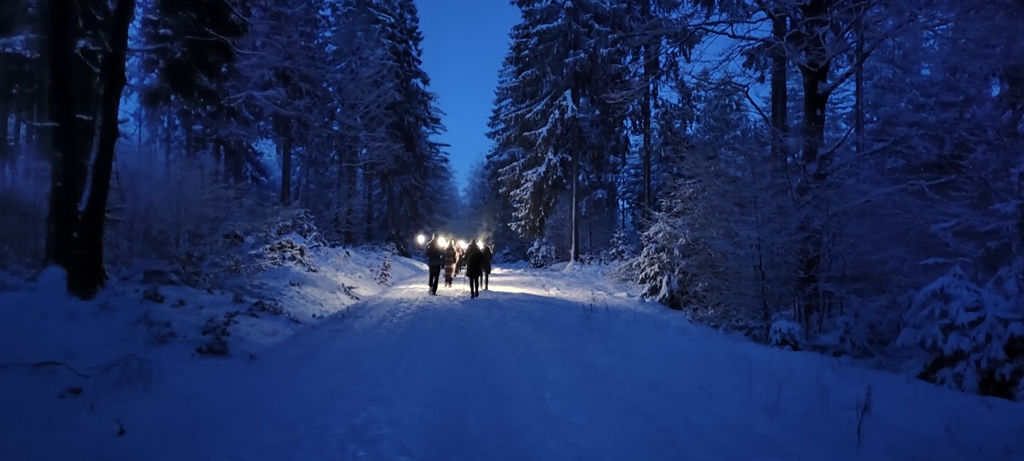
193, 58
417, 177
548, 92
281, 73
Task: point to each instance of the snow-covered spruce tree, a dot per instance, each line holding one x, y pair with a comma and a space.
970, 337
542, 253
619, 249
359, 81
714, 245
409, 174
481, 200
548, 89
193, 58
384, 271
281, 69
656, 40
661, 268
964, 153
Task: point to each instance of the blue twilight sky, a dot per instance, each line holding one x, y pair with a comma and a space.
464, 42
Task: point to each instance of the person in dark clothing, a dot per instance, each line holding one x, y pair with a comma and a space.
474, 268
450, 258
435, 259
488, 257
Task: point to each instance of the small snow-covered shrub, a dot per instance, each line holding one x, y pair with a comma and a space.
298, 221
542, 253
286, 251
664, 270
384, 272
785, 332
619, 249
864, 328
292, 238
969, 337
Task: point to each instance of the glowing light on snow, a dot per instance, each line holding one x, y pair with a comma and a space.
421, 239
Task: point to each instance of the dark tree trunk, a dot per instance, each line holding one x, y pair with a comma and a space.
622, 209
236, 153
67, 173
651, 66
190, 139
390, 200
858, 91
779, 89
349, 197
368, 185
17, 147
342, 195
220, 162
33, 139
19, 121
6, 153
814, 74
168, 145
577, 145
87, 275
286, 170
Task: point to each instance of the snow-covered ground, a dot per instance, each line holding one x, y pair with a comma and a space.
546, 365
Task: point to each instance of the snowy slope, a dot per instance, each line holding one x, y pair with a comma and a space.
547, 365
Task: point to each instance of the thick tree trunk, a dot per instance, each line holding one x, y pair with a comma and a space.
87, 275
286, 170
67, 173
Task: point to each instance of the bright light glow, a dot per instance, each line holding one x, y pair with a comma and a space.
442, 241
421, 239
463, 244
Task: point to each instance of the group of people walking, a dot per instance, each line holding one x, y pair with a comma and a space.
453, 258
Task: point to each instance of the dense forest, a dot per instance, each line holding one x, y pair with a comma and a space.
834, 175
844, 176
232, 112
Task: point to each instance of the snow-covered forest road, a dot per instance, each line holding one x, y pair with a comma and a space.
547, 365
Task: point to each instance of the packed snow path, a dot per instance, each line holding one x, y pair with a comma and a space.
544, 366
